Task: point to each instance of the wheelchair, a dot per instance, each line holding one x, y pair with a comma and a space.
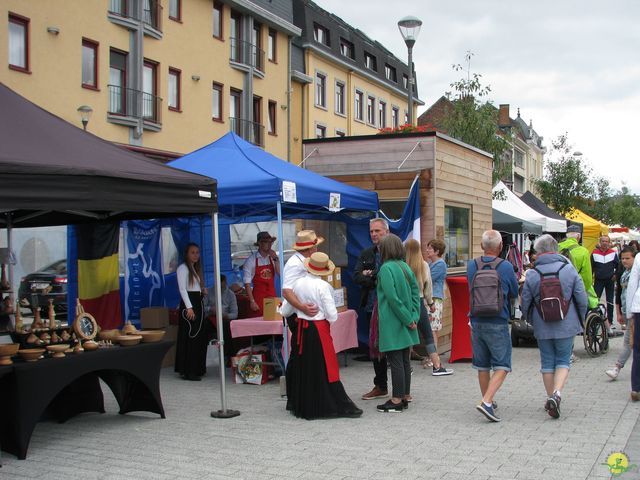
595, 336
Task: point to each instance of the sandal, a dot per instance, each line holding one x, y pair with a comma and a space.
427, 363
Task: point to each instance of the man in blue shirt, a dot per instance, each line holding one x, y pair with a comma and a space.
490, 337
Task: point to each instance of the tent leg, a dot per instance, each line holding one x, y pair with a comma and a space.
285, 336
223, 412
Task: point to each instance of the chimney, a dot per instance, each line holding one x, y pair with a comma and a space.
503, 116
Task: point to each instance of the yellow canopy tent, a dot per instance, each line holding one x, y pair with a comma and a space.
591, 228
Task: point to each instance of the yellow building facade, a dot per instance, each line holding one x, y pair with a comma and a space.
163, 77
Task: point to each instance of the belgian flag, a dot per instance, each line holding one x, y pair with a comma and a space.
98, 272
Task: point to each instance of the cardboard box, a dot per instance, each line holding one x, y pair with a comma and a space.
154, 317
270, 308
337, 278
340, 297
328, 279
170, 357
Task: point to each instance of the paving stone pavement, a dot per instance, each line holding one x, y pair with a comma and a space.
441, 435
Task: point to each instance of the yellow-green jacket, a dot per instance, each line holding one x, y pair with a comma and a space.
581, 260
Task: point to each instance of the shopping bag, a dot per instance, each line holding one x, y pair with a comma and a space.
249, 367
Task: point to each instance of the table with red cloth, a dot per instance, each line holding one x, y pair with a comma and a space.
460, 332
343, 331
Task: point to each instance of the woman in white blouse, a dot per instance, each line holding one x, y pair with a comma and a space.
314, 389
191, 346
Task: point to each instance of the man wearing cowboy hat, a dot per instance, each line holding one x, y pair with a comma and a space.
259, 271
306, 244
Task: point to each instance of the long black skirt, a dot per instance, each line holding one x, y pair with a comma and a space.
309, 393
193, 337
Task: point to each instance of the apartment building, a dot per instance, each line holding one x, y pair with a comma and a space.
162, 77
343, 82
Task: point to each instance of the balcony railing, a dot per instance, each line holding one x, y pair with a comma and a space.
151, 11
246, 53
251, 131
134, 103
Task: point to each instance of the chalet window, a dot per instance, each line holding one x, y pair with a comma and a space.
456, 235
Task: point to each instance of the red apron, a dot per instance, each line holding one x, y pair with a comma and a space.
263, 284
326, 341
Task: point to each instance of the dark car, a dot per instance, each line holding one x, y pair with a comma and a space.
49, 282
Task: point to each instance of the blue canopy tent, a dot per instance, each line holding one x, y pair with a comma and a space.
254, 184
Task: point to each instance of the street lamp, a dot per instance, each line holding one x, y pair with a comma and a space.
409, 29
85, 112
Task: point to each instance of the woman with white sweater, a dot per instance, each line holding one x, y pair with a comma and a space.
633, 312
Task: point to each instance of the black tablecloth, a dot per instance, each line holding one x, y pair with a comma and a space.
64, 387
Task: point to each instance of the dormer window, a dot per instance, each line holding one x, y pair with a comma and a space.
405, 81
346, 48
390, 73
370, 62
321, 34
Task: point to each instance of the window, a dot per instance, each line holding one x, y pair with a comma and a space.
271, 47
271, 126
175, 10
321, 90
117, 82
149, 90
456, 235
519, 159
235, 30
405, 81
370, 62
321, 131
216, 102
340, 133
18, 43
256, 47
346, 48
371, 110
235, 98
406, 117
118, 7
321, 34
390, 73
89, 64
382, 115
174, 89
358, 106
340, 104
395, 117
518, 183
217, 19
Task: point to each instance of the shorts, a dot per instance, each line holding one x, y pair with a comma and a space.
555, 353
491, 343
436, 316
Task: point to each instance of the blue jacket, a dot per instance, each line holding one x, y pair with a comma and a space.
572, 288
509, 288
438, 271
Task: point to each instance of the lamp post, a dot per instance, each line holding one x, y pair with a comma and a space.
85, 112
409, 29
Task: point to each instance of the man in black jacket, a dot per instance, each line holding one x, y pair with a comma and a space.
365, 275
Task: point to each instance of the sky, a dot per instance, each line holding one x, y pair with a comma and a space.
570, 66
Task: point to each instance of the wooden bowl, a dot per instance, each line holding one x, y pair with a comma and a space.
57, 350
31, 354
149, 336
7, 351
90, 345
129, 329
128, 340
108, 334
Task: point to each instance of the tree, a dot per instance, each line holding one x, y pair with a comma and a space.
568, 181
623, 208
474, 120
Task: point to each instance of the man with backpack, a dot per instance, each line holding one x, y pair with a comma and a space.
554, 300
492, 285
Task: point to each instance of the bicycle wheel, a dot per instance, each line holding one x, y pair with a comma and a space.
595, 337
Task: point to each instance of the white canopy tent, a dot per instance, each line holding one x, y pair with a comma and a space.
512, 205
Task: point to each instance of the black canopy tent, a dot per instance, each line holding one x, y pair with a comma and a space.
53, 173
541, 207
509, 224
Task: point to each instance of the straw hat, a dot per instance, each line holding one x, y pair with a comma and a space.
319, 264
264, 236
306, 239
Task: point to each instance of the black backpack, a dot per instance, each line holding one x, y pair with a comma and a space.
486, 295
552, 306
567, 252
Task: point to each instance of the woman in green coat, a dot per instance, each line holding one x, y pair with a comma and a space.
398, 314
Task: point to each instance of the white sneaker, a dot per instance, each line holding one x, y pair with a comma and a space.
613, 372
573, 358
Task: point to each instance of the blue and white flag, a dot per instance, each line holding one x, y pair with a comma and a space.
409, 225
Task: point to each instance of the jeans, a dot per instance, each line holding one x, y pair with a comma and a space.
635, 366
400, 372
626, 348
424, 327
491, 344
555, 353
380, 367
608, 286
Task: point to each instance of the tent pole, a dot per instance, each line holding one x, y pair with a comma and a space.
285, 332
224, 412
